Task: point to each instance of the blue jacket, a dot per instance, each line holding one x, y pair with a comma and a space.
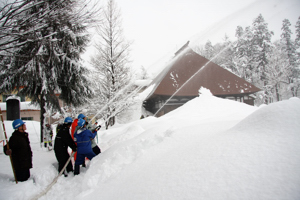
83, 138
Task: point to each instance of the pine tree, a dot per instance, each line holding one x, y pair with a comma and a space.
289, 47
297, 40
48, 61
261, 45
242, 56
286, 40
209, 50
261, 48
112, 63
297, 50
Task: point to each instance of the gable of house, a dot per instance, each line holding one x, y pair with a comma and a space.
181, 80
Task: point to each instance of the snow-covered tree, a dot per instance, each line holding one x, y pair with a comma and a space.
277, 73
287, 43
208, 50
261, 47
297, 50
289, 48
112, 63
223, 54
43, 58
242, 56
297, 39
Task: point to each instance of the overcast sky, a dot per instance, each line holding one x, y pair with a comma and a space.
160, 27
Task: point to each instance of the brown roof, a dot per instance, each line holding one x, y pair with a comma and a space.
190, 65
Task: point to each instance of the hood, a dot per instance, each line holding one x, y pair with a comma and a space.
79, 131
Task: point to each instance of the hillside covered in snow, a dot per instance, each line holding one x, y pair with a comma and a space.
210, 148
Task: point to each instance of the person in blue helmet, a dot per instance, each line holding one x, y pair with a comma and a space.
20, 150
83, 137
63, 140
74, 128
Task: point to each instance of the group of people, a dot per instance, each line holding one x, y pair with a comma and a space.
81, 141
77, 134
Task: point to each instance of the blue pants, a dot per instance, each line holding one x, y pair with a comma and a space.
80, 157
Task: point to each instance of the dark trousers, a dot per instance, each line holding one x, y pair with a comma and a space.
62, 158
96, 150
22, 174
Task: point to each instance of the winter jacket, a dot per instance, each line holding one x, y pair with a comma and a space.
48, 135
73, 127
21, 150
93, 129
83, 139
63, 140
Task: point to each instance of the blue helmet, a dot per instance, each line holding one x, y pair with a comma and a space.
68, 120
17, 123
81, 116
81, 122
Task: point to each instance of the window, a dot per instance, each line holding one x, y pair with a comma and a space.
27, 118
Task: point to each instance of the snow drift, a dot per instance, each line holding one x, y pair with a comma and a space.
210, 148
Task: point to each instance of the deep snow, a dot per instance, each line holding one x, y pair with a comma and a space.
210, 148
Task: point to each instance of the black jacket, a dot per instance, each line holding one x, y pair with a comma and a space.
63, 140
21, 150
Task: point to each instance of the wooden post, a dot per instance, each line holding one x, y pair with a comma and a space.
7, 144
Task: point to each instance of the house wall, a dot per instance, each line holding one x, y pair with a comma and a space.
26, 115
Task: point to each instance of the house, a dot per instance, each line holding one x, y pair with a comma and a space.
27, 110
182, 78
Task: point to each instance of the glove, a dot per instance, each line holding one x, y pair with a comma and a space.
98, 128
8, 152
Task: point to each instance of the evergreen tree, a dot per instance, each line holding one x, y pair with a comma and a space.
208, 50
261, 48
297, 40
112, 63
48, 61
286, 41
289, 47
297, 50
242, 56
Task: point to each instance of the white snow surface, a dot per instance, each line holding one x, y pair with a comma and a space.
210, 148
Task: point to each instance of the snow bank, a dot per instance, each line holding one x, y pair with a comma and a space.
210, 148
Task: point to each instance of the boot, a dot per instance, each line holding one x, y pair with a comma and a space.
77, 170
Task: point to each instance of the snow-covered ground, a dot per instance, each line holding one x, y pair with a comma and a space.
210, 148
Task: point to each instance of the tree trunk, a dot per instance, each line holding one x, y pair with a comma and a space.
42, 118
277, 91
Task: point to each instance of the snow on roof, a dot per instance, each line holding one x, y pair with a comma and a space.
143, 82
188, 71
23, 106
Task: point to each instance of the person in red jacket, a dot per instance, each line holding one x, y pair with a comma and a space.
73, 129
